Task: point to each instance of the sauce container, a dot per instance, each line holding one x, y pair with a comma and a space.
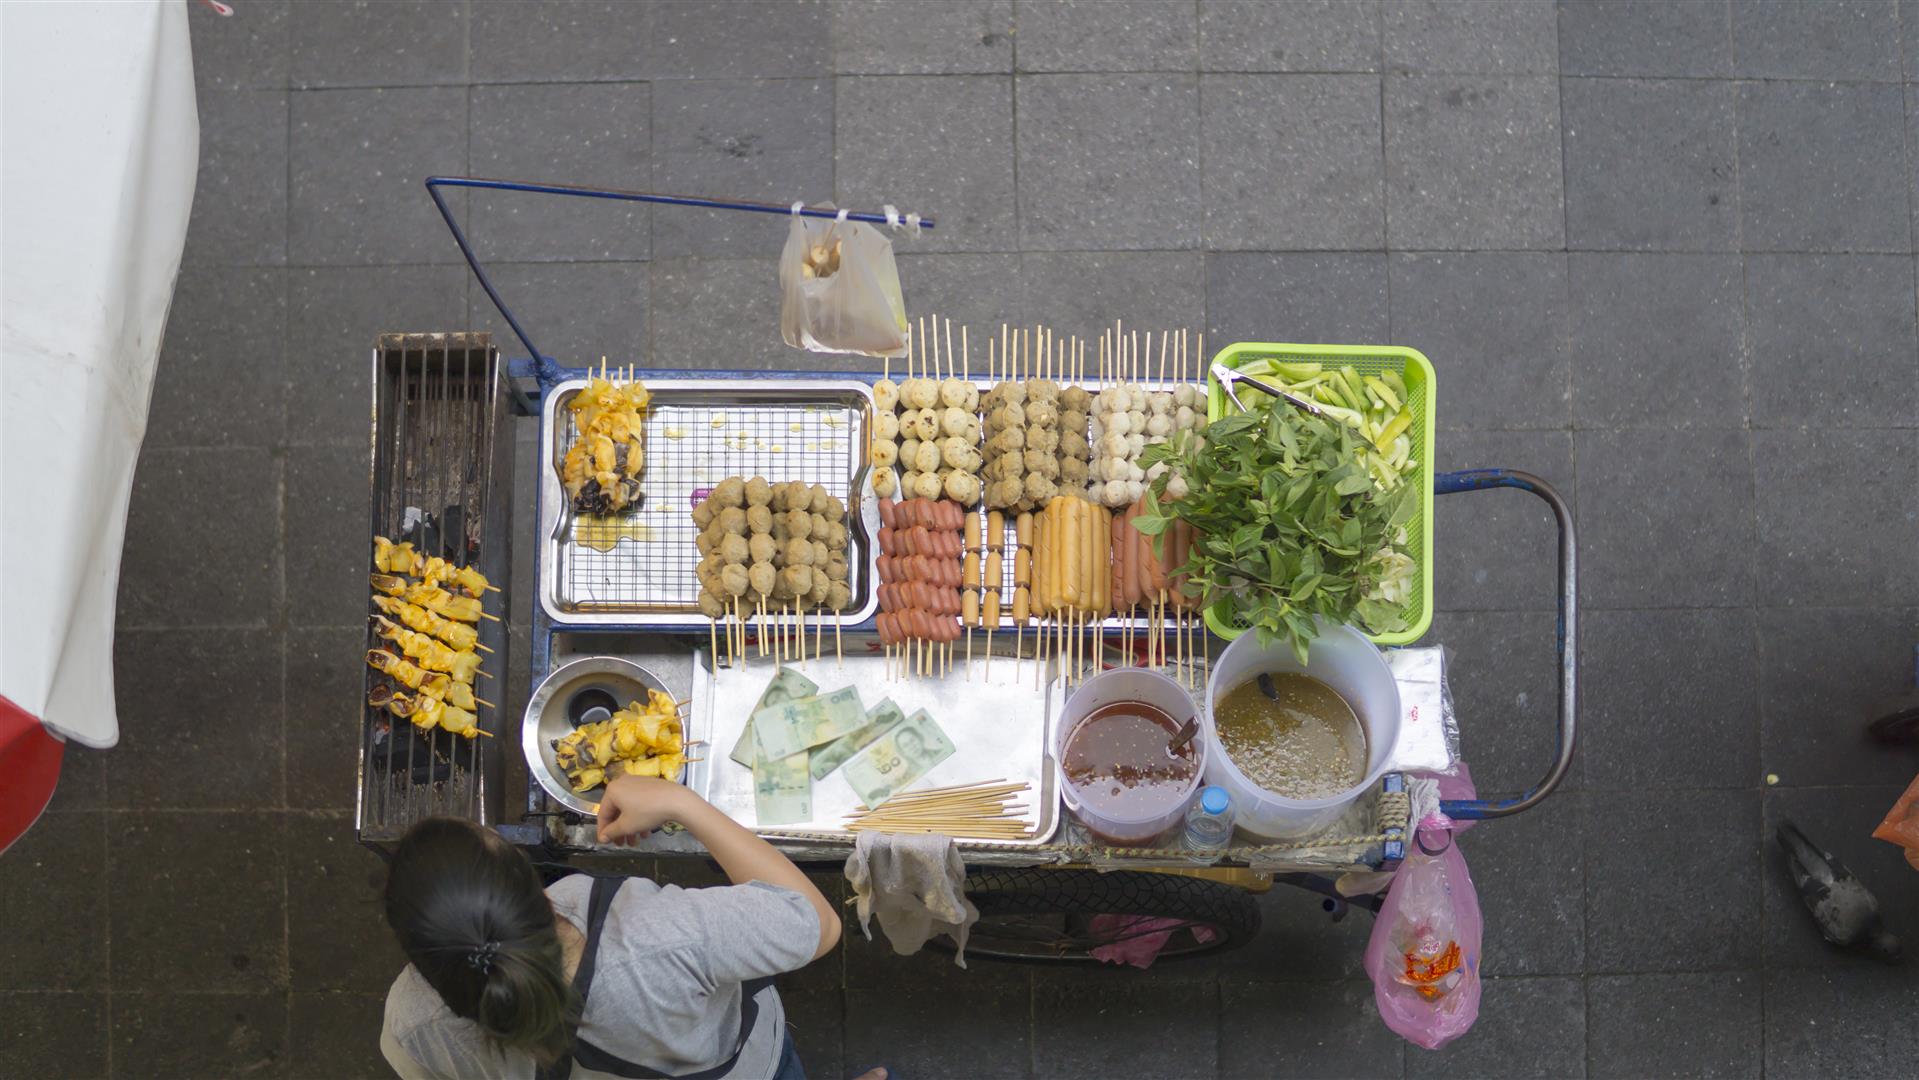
1128, 716
1343, 659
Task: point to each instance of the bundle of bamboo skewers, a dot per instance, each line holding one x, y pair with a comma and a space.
983, 810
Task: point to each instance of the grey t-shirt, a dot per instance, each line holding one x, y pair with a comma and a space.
666, 992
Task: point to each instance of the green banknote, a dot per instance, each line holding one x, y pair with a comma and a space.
898, 758
786, 686
880, 719
791, 726
782, 790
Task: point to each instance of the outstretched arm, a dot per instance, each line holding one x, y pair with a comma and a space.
635, 805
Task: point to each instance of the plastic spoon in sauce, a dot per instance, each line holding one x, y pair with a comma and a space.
1185, 735
1266, 686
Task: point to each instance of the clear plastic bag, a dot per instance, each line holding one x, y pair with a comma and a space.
839, 289
1423, 956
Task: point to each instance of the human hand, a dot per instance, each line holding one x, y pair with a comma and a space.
636, 805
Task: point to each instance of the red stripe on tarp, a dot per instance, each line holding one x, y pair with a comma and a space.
29, 768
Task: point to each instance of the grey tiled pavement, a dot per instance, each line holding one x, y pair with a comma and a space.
1661, 254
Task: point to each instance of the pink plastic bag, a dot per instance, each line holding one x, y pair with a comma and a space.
1423, 956
1140, 938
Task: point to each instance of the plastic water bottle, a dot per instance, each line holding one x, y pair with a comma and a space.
1209, 825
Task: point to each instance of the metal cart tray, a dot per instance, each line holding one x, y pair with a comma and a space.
1000, 727
698, 432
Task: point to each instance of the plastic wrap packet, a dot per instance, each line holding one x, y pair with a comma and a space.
1429, 730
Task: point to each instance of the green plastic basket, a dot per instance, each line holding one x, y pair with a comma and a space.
1417, 373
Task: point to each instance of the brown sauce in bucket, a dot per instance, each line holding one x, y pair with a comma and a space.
1116, 760
1307, 745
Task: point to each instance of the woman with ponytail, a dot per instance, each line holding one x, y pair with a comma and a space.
595, 977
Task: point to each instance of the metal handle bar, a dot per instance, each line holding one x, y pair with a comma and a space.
545, 369
1566, 638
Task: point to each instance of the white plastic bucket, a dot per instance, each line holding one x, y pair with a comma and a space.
1343, 659
1128, 684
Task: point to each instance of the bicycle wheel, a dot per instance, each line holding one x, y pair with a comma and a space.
1046, 916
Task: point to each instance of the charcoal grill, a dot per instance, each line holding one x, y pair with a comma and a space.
442, 478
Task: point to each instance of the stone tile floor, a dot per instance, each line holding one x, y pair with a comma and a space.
1661, 254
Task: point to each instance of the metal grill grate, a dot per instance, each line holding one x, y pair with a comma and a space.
441, 478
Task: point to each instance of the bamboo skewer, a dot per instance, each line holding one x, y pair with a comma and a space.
1075, 624
970, 787
1195, 632
1162, 628
989, 809
1179, 648
1042, 647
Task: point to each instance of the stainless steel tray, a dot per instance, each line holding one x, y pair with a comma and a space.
699, 432
1000, 726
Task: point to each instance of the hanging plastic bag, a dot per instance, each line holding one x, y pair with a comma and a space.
839, 289
1423, 956
1902, 823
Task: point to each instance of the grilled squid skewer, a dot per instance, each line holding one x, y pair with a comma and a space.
429, 653
402, 559
426, 713
431, 597
458, 635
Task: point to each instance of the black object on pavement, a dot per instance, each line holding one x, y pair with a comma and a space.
1846, 912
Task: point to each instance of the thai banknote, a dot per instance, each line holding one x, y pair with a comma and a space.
786, 686
791, 726
782, 790
880, 719
898, 758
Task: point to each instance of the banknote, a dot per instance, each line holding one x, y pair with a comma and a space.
898, 758
786, 686
782, 790
880, 719
802, 723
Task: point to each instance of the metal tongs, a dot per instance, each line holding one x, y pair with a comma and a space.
1228, 379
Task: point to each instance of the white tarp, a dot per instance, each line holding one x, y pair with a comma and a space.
99, 144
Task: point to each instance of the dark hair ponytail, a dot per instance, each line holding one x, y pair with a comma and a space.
470, 914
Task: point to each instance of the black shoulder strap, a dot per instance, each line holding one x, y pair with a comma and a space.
600, 1060
598, 903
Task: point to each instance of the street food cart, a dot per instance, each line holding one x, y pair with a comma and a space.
633, 620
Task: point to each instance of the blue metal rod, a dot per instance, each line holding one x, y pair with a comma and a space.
547, 371
662, 198
1566, 639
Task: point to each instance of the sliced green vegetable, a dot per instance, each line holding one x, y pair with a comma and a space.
1387, 398
1394, 429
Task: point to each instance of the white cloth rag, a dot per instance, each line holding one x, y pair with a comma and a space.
916, 883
